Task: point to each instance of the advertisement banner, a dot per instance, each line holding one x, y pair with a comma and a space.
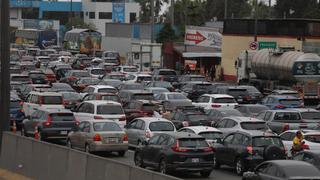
203, 36
38, 24
118, 12
191, 63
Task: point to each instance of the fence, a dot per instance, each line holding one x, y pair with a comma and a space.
45, 161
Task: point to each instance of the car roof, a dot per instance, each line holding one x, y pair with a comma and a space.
199, 129
243, 119
218, 95
153, 119
55, 110
192, 75
100, 120
251, 105
256, 133
283, 96
284, 91
99, 102
178, 135
47, 93
136, 91
166, 69
102, 86
304, 109
156, 88
197, 82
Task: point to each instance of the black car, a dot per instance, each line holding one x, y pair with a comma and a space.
37, 77
190, 118
215, 115
195, 89
182, 152
244, 150
283, 170
312, 157
81, 63
241, 94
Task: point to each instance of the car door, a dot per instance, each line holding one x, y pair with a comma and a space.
130, 129
75, 137
238, 148
222, 150
83, 112
148, 150
140, 133
158, 148
27, 104
287, 139
84, 134
28, 123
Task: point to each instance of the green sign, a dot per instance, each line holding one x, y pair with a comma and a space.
267, 45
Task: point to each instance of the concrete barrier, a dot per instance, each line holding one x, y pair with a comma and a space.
44, 161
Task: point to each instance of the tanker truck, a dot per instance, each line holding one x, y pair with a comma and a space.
275, 69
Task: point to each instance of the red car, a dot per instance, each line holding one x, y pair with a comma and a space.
140, 108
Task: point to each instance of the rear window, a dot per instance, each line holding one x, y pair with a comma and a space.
193, 143
310, 115
15, 104
161, 126
292, 94
89, 81
72, 96
224, 100
283, 116
134, 86
81, 74
167, 73
109, 109
150, 107
143, 97
110, 98
237, 92
290, 102
107, 90
98, 71
197, 79
313, 138
37, 75
52, 100
211, 135
253, 125
176, 96
257, 109
197, 117
202, 86
20, 78
106, 126
62, 117
130, 69
264, 141
141, 78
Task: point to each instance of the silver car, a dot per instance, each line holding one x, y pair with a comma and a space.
142, 129
99, 136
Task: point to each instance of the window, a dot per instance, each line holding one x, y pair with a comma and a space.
163, 140
287, 136
106, 126
133, 124
140, 125
133, 17
272, 170
105, 15
228, 139
309, 158
81, 126
268, 115
261, 115
230, 124
154, 140
86, 127
222, 124
237, 140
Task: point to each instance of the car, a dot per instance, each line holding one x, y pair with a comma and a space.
116, 76
99, 136
215, 115
95, 109
311, 139
107, 66
131, 86
36, 100
191, 77
283, 170
140, 108
50, 76
16, 111
142, 129
61, 87
27, 88
309, 156
111, 57
211, 134
20, 78
156, 90
37, 77
102, 96
189, 118
244, 150
308, 114
73, 75
139, 78
194, 89
129, 95
182, 152
99, 89
50, 123
70, 99
235, 123
282, 102
111, 82
251, 110
126, 69
281, 120
81, 84
96, 72
171, 100
286, 93
81, 63
61, 71
214, 101
241, 94
161, 84
164, 75
253, 93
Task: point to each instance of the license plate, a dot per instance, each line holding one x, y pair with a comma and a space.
113, 140
240, 100
63, 132
195, 160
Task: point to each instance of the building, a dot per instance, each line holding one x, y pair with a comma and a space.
238, 35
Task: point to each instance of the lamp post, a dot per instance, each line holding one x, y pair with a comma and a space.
225, 9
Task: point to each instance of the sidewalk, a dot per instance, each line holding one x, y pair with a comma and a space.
7, 175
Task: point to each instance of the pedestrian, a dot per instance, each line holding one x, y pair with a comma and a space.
213, 72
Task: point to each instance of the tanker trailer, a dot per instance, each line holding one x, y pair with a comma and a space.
271, 69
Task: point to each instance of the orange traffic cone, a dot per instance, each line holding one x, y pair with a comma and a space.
36, 133
14, 127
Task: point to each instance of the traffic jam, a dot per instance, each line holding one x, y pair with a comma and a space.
174, 123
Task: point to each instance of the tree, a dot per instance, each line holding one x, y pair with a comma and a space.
189, 12
145, 13
297, 9
78, 22
166, 34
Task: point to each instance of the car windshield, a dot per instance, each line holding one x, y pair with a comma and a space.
71, 96
109, 109
264, 141
144, 78
197, 79
211, 135
106, 126
310, 115
37, 76
107, 90
62, 117
253, 125
224, 100
257, 109
81, 74
161, 126
237, 92
197, 117
98, 71
20, 78
150, 107
287, 116
110, 98
252, 89
52, 100
176, 96
202, 86
15, 104
142, 97
131, 69
290, 101
313, 138
167, 73
193, 143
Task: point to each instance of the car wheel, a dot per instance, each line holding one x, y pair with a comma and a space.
216, 165
138, 161
163, 166
69, 145
205, 174
121, 153
239, 167
87, 148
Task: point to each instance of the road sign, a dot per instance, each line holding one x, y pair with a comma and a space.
253, 45
196, 38
267, 45
203, 36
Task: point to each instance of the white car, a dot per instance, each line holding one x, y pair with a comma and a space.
211, 134
42, 99
311, 139
172, 100
99, 89
212, 101
96, 72
137, 78
126, 69
96, 109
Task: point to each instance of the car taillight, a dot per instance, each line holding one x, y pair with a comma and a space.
248, 97
125, 137
77, 122
250, 150
285, 127
176, 148
305, 146
65, 102
48, 122
96, 137
148, 134
185, 123
97, 117
21, 103
123, 118
280, 106
208, 149
40, 100
21, 110
215, 105
72, 78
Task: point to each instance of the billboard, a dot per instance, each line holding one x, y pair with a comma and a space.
203, 36
118, 12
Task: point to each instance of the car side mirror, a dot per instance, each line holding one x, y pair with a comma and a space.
145, 143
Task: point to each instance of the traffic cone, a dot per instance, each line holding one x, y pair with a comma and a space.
14, 127
36, 133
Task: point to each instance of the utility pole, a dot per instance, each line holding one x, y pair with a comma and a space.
152, 21
225, 9
270, 9
5, 73
172, 13
71, 13
255, 20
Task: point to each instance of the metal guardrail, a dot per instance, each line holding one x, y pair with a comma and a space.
44, 161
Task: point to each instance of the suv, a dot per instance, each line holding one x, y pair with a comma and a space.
240, 94
244, 150
195, 89
140, 108
215, 101
102, 96
50, 123
282, 102
184, 152
165, 75
35, 100
129, 95
81, 63
182, 119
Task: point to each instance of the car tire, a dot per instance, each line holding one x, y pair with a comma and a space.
69, 145
205, 174
87, 149
121, 153
239, 166
216, 164
138, 161
163, 166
